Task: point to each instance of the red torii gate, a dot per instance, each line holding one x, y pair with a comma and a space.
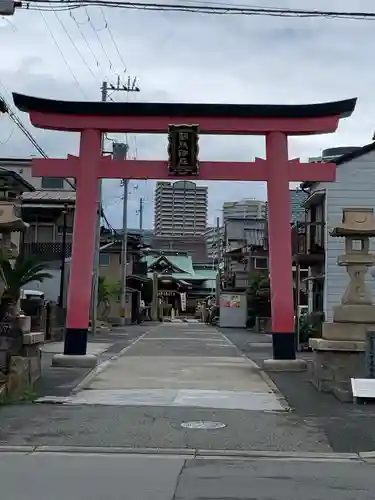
275, 122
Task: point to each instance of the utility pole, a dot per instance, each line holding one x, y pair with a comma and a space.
141, 215
218, 246
218, 250
106, 88
120, 151
95, 283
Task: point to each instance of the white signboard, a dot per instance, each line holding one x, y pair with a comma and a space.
183, 301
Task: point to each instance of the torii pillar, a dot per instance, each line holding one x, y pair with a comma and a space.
275, 122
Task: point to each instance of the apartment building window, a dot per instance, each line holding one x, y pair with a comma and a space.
260, 263
52, 183
104, 259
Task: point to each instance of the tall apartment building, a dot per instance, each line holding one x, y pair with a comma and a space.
180, 209
245, 209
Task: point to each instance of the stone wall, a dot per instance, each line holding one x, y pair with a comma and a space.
20, 357
11, 344
331, 371
55, 322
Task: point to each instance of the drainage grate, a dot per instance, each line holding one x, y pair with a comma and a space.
201, 424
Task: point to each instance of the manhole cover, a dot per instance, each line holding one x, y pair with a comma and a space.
200, 424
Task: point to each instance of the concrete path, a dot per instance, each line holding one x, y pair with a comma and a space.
61, 381
184, 365
179, 386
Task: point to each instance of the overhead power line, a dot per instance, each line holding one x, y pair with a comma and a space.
62, 55
12, 115
96, 30
202, 8
107, 26
76, 48
85, 38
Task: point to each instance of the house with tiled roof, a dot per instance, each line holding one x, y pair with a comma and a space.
354, 187
177, 274
43, 210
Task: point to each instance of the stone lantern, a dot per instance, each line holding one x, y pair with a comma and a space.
340, 354
10, 227
357, 227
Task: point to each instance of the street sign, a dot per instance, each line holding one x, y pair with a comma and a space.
183, 149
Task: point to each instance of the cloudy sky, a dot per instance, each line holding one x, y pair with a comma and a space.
191, 58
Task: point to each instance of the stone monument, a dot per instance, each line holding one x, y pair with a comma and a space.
340, 354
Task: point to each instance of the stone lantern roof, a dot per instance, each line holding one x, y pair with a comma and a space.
356, 222
9, 221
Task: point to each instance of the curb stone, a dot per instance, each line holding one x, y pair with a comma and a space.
193, 453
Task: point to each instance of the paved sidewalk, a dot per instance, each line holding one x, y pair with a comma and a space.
61, 381
114, 476
157, 394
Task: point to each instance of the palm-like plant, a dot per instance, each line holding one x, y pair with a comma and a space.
18, 274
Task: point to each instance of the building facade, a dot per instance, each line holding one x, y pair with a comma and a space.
214, 238
245, 209
178, 276
48, 209
43, 210
245, 250
22, 167
297, 197
354, 187
180, 209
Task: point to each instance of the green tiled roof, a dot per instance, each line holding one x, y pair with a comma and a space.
182, 262
207, 274
184, 267
185, 277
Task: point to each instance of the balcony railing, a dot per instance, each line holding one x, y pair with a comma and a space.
47, 251
309, 238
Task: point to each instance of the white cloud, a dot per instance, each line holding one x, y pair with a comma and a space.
192, 58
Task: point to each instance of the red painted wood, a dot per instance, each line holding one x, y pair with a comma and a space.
279, 234
84, 231
159, 125
311, 171
209, 170
276, 169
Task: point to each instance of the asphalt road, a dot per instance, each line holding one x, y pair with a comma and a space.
122, 477
347, 428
